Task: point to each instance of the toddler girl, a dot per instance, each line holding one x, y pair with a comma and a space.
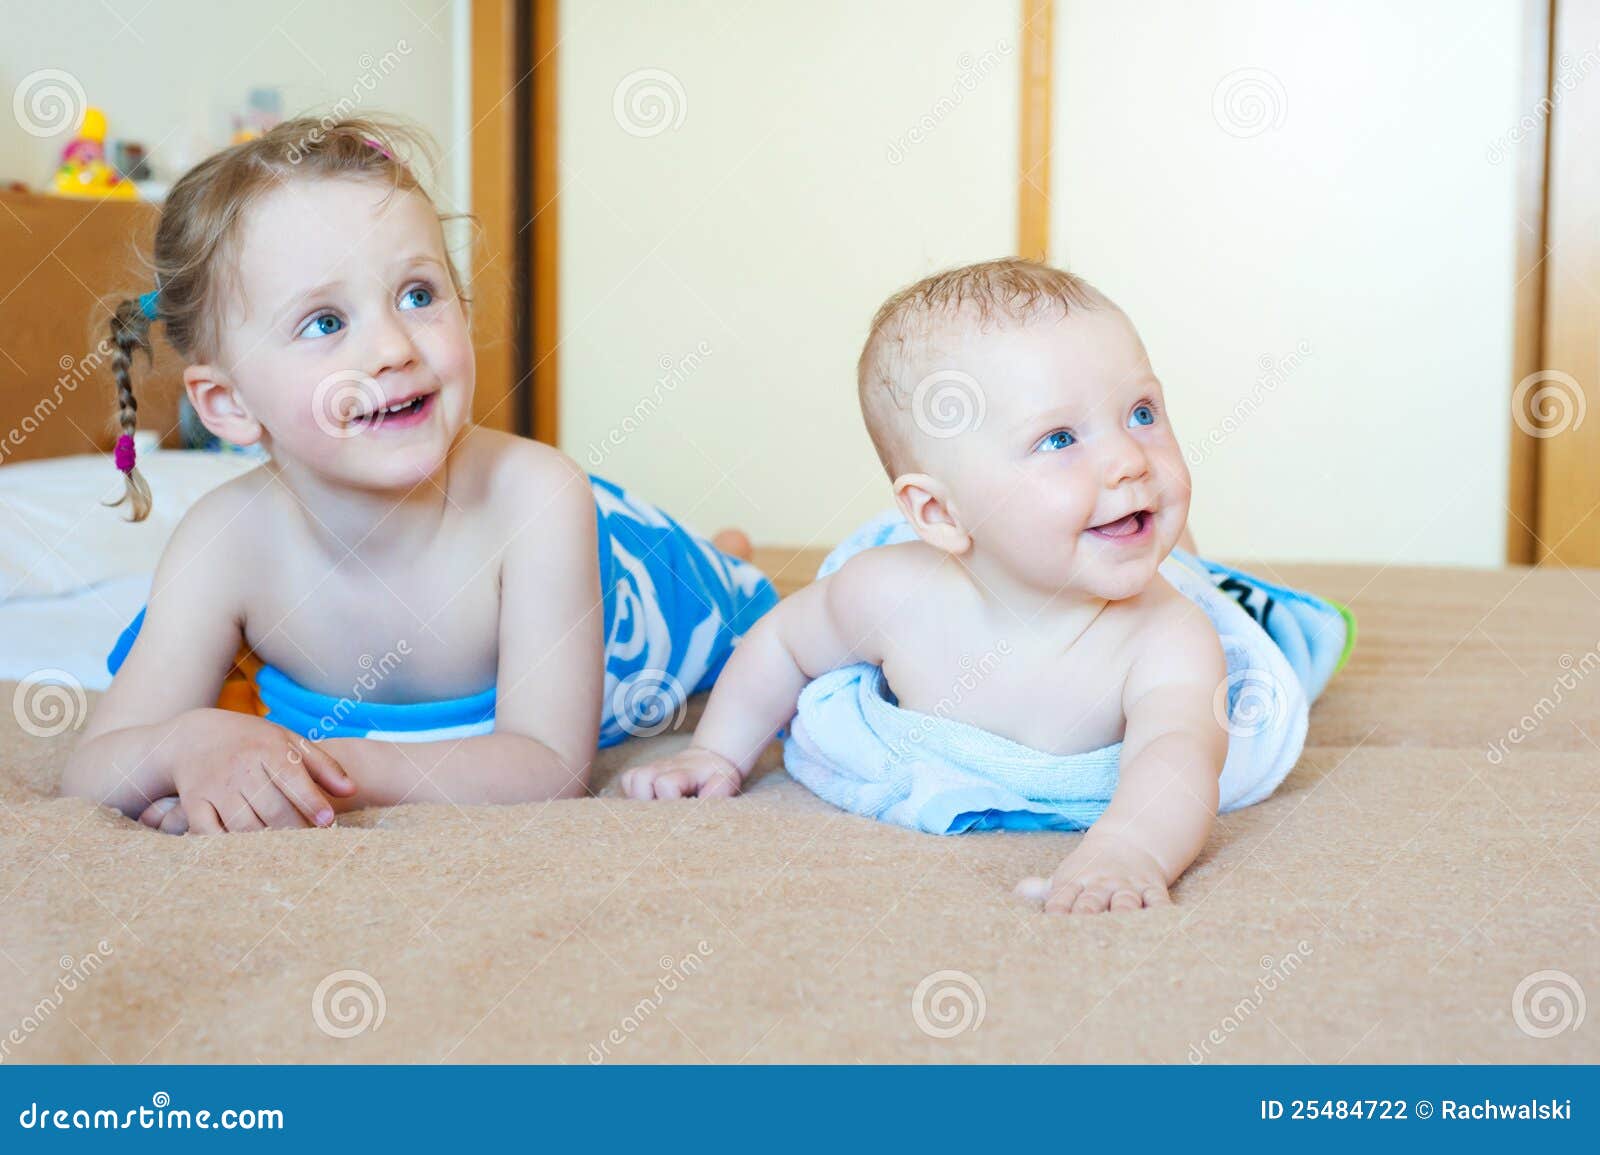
446, 612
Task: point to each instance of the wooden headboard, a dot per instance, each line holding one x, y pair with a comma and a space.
61, 259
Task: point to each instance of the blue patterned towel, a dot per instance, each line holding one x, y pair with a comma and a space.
674, 606
854, 746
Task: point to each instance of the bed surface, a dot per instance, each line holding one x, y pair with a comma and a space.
1385, 905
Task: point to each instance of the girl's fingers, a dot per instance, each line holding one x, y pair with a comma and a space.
1125, 900
176, 821
238, 816
203, 817
671, 785
270, 803
155, 813
295, 784
1156, 896
325, 769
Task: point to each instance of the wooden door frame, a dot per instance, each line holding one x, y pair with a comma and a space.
1566, 439
515, 184
1527, 349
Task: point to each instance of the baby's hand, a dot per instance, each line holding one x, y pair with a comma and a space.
237, 772
695, 771
1103, 873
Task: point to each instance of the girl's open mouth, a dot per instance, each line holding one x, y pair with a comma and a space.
401, 416
1125, 530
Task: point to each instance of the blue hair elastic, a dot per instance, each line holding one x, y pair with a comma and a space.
150, 304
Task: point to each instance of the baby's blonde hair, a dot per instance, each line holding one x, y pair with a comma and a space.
200, 223
903, 330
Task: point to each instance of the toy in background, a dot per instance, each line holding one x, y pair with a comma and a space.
130, 161
83, 171
263, 109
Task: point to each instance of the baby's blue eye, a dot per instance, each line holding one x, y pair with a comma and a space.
322, 325
417, 298
1060, 439
1142, 415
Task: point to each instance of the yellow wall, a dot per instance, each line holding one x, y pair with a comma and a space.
827, 153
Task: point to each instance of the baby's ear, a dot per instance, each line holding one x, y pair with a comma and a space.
925, 502
218, 405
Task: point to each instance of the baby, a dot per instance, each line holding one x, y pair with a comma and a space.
1042, 513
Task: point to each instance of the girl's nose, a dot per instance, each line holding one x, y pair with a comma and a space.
392, 346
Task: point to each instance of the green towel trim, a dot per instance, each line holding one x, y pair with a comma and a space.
1349, 634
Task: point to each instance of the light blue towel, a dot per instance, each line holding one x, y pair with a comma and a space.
855, 747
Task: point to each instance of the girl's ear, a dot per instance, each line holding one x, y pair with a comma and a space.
218, 405
925, 502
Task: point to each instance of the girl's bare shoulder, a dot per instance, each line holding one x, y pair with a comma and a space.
236, 515
502, 469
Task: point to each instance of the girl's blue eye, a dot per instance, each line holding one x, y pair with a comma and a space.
417, 298
322, 325
1142, 415
1060, 439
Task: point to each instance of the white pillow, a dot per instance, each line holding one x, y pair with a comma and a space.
55, 535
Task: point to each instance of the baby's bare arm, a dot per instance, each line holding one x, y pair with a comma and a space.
831, 623
1173, 749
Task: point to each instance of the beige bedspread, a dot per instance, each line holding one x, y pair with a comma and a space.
1404, 896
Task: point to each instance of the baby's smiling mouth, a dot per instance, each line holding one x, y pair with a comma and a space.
1127, 528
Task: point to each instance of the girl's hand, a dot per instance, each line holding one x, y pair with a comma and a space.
695, 771
238, 773
166, 815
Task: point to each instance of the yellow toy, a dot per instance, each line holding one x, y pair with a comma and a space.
83, 171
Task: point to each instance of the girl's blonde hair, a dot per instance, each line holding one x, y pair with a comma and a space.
200, 222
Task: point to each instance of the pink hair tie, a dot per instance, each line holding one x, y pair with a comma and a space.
379, 147
124, 453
